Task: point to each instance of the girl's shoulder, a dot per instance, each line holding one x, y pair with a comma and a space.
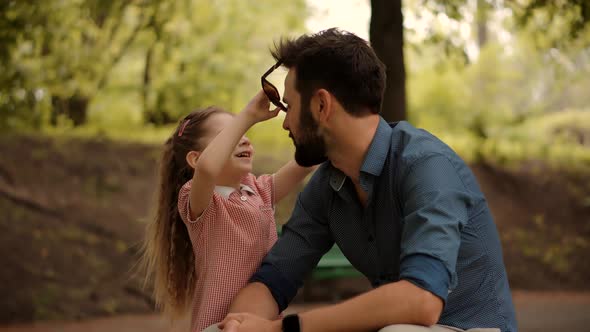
248, 179
187, 185
261, 182
263, 185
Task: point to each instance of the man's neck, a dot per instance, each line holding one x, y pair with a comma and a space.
349, 143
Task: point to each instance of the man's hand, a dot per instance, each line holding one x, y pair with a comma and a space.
231, 325
245, 322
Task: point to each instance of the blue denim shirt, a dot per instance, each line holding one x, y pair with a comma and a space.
426, 221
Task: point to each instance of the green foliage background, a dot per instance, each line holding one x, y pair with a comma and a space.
524, 97
131, 69
136, 62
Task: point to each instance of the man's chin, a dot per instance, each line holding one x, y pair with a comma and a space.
302, 163
308, 162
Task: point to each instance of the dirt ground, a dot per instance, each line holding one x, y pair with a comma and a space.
72, 215
536, 312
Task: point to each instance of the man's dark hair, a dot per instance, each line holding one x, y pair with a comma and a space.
338, 61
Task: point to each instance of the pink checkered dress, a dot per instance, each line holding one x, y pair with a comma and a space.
229, 240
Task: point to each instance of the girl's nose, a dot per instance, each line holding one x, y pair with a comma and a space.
244, 141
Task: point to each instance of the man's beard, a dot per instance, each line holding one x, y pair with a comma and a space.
310, 150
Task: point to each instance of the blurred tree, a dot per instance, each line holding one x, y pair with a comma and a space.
387, 32
58, 55
203, 53
553, 19
17, 23
481, 19
387, 38
67, 50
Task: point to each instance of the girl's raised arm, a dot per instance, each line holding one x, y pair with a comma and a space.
287, 177
209, 163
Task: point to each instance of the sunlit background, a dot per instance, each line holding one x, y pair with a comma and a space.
90, 89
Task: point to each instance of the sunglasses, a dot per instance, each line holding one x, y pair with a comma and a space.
270, 90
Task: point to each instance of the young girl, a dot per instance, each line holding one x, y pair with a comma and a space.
215, 219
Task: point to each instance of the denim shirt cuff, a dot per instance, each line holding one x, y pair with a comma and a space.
428, 273
282, 289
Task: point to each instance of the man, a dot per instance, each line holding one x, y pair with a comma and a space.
401, 205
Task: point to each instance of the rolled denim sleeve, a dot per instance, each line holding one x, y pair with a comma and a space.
428, 273
304, 240
435, 207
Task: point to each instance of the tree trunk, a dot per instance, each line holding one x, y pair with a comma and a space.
387, 39
482, 22
147, 80
74, 108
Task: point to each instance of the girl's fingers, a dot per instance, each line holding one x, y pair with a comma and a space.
261, 96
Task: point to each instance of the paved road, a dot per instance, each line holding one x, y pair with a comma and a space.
537, 312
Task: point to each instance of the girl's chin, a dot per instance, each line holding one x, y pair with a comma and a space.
241, 162
245, 169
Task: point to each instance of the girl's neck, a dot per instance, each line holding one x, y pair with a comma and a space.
230, 181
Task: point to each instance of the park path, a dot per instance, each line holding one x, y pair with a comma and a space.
536, 312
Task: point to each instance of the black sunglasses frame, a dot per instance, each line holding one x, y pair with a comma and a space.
264, 82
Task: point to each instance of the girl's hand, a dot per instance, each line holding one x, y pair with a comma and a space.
245, 322
258, 108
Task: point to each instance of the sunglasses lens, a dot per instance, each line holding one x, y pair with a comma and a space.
271, 92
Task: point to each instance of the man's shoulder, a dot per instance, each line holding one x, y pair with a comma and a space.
417, 146
413, 144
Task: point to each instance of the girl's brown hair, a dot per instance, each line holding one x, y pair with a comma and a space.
167, 255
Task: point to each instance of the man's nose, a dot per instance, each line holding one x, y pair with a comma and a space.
285, 123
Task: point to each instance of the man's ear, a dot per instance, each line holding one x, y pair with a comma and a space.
323, 103
192, 157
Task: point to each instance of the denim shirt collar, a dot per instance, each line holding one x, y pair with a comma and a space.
374, 160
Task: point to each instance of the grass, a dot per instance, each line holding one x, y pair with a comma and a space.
560, 140
132, 134
547, 243
268, 136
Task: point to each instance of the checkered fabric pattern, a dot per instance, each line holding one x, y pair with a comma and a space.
229, 240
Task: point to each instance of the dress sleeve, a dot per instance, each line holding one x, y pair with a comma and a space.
184, 205
266, 187
272, 235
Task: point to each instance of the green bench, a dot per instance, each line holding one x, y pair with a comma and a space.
325, 281
333, 265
